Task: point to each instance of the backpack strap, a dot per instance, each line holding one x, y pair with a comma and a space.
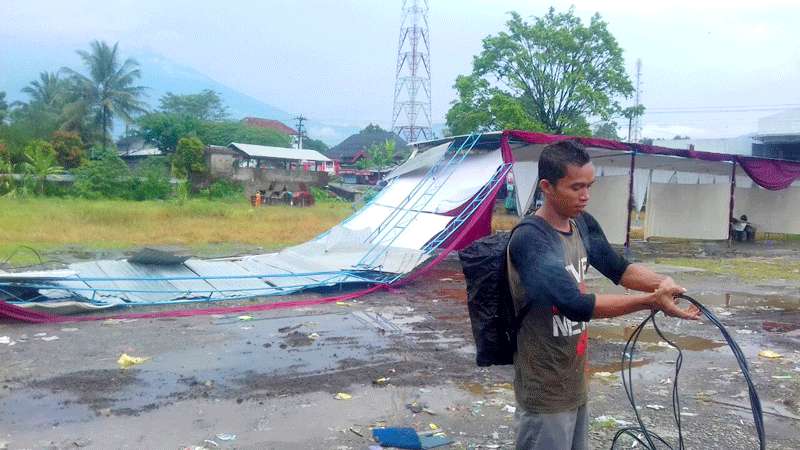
518, 317
580, 221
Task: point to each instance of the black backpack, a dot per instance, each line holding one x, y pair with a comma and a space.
491, 309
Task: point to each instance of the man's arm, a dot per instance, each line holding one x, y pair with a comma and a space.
611, 305
639, 278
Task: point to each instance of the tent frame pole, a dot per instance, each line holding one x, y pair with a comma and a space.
630, 205
732, 204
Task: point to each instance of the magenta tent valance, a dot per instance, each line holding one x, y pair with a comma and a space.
772, 174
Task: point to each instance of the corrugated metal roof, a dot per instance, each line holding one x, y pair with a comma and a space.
263, 151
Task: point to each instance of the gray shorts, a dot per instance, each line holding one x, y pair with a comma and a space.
560, 431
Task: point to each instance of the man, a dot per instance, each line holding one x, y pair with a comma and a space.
548, 258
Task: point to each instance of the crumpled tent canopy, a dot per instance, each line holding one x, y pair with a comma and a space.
428, 202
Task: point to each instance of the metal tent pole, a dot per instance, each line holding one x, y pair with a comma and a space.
630, 205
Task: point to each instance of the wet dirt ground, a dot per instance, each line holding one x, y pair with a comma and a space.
272, 380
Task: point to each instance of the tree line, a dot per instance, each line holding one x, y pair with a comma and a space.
67, 124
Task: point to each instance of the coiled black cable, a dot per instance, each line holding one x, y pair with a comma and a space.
647, 438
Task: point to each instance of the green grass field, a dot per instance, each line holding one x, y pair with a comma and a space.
748, 269
53, 224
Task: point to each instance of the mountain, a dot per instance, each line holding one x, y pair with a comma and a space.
21, 62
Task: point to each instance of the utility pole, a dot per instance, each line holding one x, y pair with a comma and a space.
634, 122
300, 130
411, 114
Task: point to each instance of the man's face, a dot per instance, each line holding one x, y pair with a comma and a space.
570, 195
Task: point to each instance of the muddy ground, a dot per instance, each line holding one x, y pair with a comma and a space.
272, 381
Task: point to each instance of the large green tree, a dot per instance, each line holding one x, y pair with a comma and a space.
109, 89
551, 74
165, 130
207, 105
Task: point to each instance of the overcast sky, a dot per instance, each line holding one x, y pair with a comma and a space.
334, 60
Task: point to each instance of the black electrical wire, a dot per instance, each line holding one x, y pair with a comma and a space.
647, 438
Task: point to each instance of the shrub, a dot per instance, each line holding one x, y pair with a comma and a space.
106, 176
152, 180
225, 190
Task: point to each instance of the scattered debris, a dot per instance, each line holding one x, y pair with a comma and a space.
313, 336
343, 396
245, 317
226, 437
604, 374
655, 407
433, 426
416, 407
125, 361
509, 409
382, 381
40, 334
5, 340
781, 377
209, 441
50, 338
744, 331
769, 354
356, 431
611, 421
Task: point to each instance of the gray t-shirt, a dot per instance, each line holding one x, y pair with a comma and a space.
549, 366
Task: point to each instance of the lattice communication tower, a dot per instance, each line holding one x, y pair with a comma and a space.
411, 115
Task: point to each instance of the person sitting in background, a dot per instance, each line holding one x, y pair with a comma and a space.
742, 229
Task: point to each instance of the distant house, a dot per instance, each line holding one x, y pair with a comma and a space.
265, 157
265, 169
134, 151
271, 124
348, 152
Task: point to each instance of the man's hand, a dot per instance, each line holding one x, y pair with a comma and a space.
669, 284
665, 301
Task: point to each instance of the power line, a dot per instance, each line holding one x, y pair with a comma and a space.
720, 109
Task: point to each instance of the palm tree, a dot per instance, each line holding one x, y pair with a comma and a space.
49, 90
109, 90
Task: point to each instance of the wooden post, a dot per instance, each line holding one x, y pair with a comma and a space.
732, 204
630, 205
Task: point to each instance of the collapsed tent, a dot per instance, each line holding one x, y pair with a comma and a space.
440, 199
428, 202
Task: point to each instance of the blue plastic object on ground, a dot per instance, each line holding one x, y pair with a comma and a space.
397, 437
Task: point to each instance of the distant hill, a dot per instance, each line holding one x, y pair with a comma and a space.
21, 62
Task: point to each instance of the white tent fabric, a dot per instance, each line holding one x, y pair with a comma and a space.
472, 173
770, 211
688, 211
607, 205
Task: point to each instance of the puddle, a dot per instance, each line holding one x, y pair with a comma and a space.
482, 390
649, 336
614, 367
308, 345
